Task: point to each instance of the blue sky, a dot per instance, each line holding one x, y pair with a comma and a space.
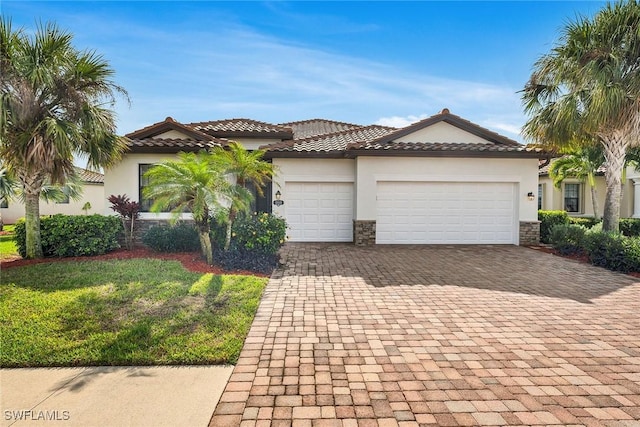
360, 62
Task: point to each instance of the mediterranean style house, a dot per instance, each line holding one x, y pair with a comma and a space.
442, 180
574, 195
92, 193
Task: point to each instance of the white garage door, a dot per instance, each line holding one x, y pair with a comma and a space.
446, 212
319, 211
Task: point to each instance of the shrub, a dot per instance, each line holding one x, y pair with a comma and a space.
258, 232
630, 226
181, 237
549, 219
568, 239
586, 222
613, 251
237, 259
73, 235
128, 211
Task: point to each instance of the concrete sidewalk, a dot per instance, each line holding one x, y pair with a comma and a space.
111, 396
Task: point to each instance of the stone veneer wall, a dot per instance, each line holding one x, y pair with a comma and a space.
364, 233
529, 233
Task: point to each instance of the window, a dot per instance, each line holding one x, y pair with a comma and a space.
145, 204
4, 203
572, 197
64, 200
540, 196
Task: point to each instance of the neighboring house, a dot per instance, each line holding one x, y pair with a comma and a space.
574, 196
442, 180
92, 192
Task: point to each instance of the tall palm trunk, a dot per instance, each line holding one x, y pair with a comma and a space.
615, 148
594, 195
32, 223
231, 219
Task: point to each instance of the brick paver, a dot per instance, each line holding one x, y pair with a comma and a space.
438, 335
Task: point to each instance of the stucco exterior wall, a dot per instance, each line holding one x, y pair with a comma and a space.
370, 170
309, 170
442, 132
92, 193
123, 179
553, 198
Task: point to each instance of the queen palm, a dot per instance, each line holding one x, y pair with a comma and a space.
52, 108
192, 183
247, 168
588, 87
581, 163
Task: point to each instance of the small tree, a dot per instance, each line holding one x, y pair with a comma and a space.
86, 208
128, 211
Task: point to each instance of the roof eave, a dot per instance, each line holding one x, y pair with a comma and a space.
446, 153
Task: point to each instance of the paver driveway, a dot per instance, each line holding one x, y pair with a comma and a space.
437, 335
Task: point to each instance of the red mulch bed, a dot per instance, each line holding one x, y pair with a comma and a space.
192, 261
579, 258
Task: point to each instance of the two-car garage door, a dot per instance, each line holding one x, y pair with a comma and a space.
446, 213
406, 212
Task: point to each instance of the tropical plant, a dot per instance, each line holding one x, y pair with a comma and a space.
128, 210
55, 103
588, 87
194, 184
581, 163
8, 187
248, 169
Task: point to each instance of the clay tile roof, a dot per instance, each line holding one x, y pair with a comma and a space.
337, 141
241, 127
450, 148
457, 121
314, 127
171, 145
90, 176
166, 125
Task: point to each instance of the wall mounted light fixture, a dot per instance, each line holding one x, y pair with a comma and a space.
277, 201
531, 196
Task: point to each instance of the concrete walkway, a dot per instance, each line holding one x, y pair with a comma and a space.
435, 335
111, 396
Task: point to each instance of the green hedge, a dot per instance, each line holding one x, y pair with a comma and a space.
568, 239
181, 237
585, 221
630, 226
73, 235
548, 220
258, 232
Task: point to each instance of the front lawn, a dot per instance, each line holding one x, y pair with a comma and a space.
123, 312
8, 248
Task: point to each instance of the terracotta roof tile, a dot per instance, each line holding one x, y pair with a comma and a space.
173, 144
443, 147
314, 127
238, 127
90, 176
337, 141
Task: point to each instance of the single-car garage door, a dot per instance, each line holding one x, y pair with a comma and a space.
446, 212
319, 211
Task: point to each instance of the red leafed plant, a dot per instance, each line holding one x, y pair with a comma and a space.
128, 211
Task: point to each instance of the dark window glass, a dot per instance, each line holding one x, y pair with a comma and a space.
572, 197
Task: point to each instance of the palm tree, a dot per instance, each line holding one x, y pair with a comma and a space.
581, 163
248, 168
7, 189
54, 103
588, 87
193, 183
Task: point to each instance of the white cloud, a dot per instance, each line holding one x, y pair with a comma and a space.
400, 122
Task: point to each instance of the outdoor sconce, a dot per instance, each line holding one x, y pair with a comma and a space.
277, 201
531, 196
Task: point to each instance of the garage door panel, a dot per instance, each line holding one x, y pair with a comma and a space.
445, 212
319, 211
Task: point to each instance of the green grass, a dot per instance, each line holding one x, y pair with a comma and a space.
8, 248
132, 312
